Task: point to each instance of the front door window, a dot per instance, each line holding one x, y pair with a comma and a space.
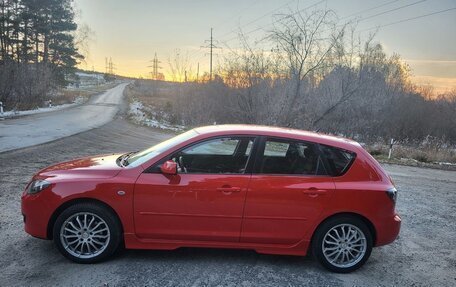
227, 155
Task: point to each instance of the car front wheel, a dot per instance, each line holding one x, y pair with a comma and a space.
342, 244
87, 233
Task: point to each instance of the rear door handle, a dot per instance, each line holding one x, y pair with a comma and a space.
313, 191
229, 189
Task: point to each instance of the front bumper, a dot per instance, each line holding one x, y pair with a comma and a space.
36, 214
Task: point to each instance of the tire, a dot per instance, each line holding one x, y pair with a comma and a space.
87, 233
342, 244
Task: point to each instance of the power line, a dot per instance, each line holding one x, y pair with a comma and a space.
392, 10
409, 19
362, 19
275, 21
272, 11
369, 9
381, 13
236, 14
357, 13
301, 10
261, 17
195, 52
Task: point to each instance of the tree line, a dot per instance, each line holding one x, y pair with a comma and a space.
37, 49
312, 72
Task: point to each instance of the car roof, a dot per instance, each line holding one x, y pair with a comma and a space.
216, 130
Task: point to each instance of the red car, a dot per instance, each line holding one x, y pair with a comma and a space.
274, 190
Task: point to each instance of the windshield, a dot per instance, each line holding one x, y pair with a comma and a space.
141, 157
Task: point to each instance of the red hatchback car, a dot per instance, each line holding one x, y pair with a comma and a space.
274, 190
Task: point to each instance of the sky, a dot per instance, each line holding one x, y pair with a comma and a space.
131, 32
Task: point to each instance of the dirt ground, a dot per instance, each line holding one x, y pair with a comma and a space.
424, 255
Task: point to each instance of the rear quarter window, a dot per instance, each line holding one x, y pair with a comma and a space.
339, 160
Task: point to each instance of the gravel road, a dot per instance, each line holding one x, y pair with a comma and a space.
40, 128
424, 255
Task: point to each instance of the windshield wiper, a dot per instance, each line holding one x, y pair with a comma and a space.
123, 159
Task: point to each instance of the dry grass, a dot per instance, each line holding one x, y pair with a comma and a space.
422, 156
65, 96
153, 94
158, 97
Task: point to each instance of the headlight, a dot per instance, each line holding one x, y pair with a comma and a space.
38, 185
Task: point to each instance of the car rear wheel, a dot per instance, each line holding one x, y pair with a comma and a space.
342, 244
87, 233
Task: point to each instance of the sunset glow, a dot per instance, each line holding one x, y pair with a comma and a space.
147, 29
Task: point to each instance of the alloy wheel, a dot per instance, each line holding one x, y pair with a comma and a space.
344, 245
85, 235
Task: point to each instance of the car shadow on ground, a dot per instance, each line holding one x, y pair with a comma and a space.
184, 254
213, 254
41, 263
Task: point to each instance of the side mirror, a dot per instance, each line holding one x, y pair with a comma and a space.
169, 167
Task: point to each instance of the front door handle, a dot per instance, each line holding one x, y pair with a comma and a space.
229, 189
313, 191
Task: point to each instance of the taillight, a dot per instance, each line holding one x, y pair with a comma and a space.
391, 179
392, 194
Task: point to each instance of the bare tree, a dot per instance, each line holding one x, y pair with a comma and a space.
179, 66
305, 40
84, 36
249, 73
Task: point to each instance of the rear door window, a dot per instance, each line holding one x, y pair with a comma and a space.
281, 156
275, 148
338, 160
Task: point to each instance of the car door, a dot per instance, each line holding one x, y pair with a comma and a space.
204, 200
288, 191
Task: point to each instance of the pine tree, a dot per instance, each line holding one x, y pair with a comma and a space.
37, 49
39, 31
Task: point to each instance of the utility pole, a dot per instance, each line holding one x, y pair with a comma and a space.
211, 46
109, 66
197, 72
155, 67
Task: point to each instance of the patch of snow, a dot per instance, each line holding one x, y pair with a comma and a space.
90, 75
87, 80
408, 160
15, 113
445, 163
138, 115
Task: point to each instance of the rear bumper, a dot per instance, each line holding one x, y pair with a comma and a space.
388, 230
